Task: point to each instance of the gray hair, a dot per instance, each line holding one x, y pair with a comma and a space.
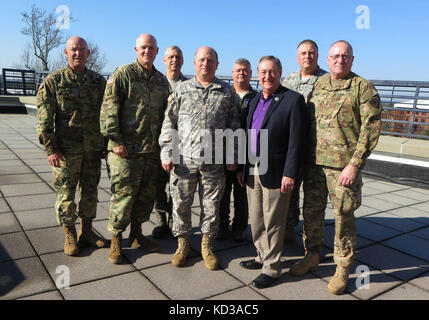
273, 59
243, 62
171, 48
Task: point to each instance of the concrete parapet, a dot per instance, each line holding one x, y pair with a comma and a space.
14, 101
403, 146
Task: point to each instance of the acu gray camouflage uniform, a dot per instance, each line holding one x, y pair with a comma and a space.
68, 112
305, 87
345, 120
132, 112
193, 107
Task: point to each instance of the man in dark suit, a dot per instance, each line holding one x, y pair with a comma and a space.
274, 125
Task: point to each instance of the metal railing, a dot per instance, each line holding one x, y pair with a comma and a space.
405, 108
405, 105
19, 82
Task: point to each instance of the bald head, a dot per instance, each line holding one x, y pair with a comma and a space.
146, 37
76, 40
342, 43
205, 62
77, 53
206, 49
146, 49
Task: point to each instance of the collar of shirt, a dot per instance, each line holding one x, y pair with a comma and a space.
214, 85
78, 76
265, 101
147, 74
342, 84
311, 79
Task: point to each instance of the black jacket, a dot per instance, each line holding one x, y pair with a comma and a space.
284, 123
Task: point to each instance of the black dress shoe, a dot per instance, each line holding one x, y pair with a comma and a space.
263, 281
251, 264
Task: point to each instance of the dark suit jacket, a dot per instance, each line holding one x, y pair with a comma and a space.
284, 122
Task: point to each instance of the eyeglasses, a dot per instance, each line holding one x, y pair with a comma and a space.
338, 56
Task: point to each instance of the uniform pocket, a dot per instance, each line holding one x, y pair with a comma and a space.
345, 113
67, 99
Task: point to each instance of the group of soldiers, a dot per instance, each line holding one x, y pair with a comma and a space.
139, 116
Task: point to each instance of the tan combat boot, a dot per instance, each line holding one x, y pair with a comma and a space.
88, 236
115, 254
70, 243
207, 253
309, 263
182, 252
290, 235
338, 283
137, 240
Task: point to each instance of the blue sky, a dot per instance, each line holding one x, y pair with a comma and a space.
396, 46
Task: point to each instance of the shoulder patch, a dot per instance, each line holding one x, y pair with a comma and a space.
110, 81
170, 98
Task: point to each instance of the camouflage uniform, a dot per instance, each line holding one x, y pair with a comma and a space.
193, 107
68, 111
163, 201
173, 82
305, 87
345, 119
241, 211
132, 112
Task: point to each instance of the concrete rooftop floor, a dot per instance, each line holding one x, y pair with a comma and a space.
393, 242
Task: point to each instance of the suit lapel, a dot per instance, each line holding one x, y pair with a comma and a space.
274, 104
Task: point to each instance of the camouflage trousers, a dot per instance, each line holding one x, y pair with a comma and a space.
319, 182
82, 169
133, 183
184, 179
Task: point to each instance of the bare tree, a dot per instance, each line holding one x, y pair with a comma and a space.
28, 61
96, 61
44, 33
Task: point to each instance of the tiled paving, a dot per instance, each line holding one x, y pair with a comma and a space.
392, 245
